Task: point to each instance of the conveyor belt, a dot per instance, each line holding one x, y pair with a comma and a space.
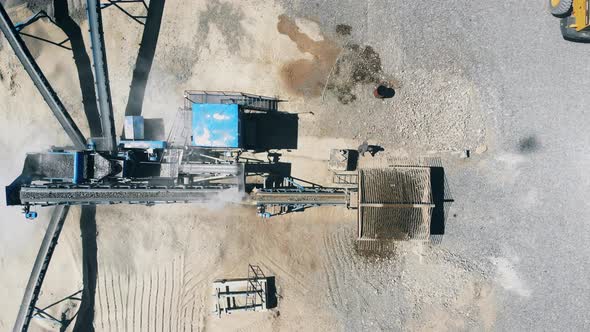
316, 198
78, 196
27, 307
200, 168
101, 76
31, 67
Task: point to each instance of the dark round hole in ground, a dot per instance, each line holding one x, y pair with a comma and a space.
383, 91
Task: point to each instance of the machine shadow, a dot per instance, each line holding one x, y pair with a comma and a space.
271, 293
154, 129
82, 62
145, 57
271, 130
442, 201
275, 173
85, 319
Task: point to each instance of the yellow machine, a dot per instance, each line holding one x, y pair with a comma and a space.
575, 18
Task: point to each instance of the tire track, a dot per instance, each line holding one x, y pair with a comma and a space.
187, 297
114, 300
123, 308
134, 302
191, 290
106, 296
149, 303
156, 300
184, 319
164, 301
339, 266
141, 306
302, 288
331, 276
193, 314
170, 315
350, 283
101, 308
127, 300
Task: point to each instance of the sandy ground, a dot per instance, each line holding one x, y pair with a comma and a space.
156, 264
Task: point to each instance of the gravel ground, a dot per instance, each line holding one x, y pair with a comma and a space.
501, 71
489, 77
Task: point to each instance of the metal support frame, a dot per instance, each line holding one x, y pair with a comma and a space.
41, 313
34, 18
40, 81
116, 3
243, 294
27, 307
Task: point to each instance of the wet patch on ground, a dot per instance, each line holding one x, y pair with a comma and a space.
336, 68
306, 77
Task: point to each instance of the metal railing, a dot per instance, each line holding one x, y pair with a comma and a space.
255, 288
245, 100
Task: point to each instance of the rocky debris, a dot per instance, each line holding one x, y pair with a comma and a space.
343, 29
356, 65
481, 149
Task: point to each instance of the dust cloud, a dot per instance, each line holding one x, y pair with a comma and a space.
224, 198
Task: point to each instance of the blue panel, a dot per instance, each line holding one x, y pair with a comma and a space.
216, 125
78, 167
128, 144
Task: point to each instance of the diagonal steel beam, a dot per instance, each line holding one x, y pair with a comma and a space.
101, 77
27, 307
31, 67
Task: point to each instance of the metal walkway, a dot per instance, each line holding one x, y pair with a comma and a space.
40, 81
27, 307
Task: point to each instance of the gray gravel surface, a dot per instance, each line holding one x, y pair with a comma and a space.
519, 206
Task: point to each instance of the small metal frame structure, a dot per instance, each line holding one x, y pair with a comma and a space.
181, 132
64, 321
244, 294
341, 161
118, 3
